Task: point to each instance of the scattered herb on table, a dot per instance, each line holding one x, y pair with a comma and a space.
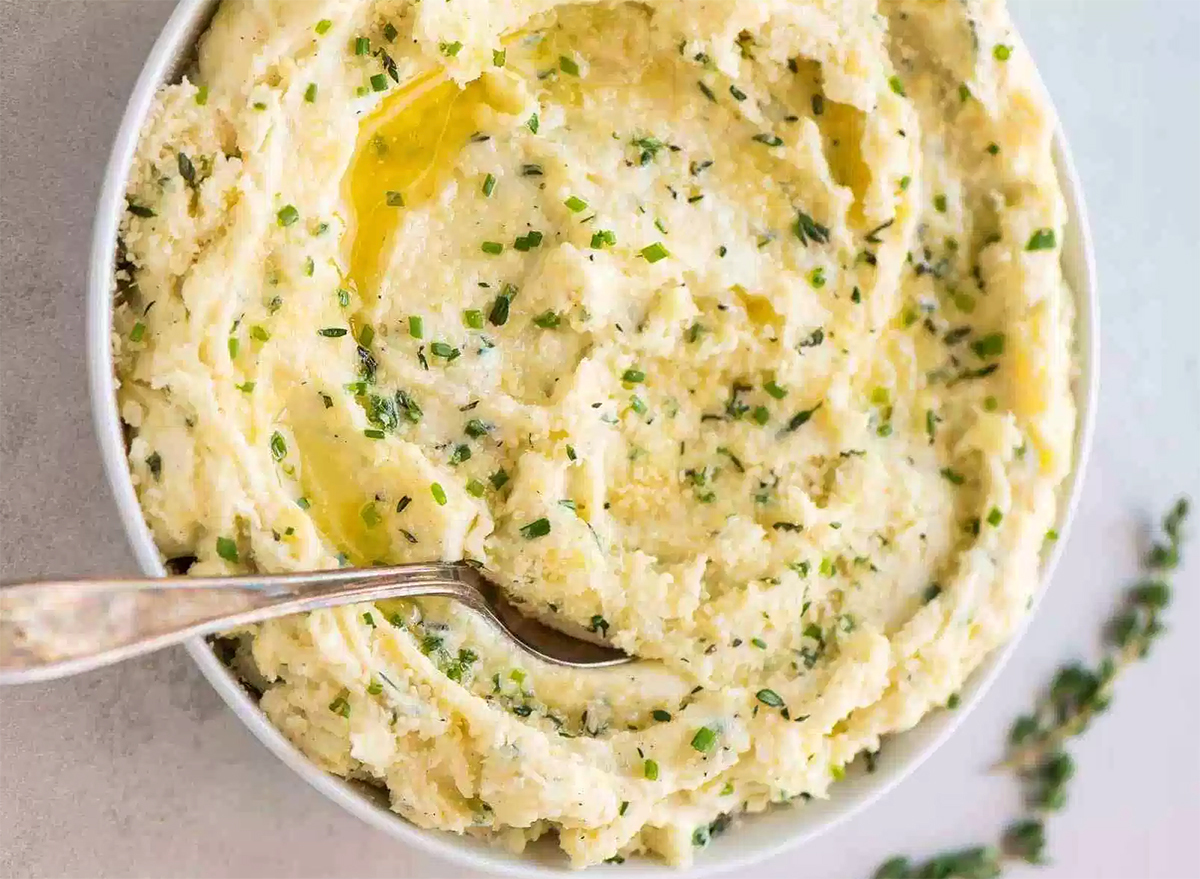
1076, 696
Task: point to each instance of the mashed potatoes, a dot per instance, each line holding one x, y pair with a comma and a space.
733, 331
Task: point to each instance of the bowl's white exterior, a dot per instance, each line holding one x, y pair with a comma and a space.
757, 837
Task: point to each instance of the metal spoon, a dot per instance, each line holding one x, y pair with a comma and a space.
54, 629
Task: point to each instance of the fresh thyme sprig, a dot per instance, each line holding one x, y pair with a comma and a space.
1076, 696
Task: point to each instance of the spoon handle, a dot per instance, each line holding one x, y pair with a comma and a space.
54, 629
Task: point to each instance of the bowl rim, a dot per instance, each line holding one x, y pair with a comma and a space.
176, 39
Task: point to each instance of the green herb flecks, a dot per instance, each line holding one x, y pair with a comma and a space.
287, 214
807, 229
536, 528
227, 549
278, 446
652, 253
704, 739
800, 419
1042, 239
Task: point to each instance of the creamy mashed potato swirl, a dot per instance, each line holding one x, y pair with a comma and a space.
734, 332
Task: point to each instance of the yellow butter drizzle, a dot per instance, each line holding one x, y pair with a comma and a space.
403, 148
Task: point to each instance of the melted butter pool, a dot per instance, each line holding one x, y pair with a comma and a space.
404, 149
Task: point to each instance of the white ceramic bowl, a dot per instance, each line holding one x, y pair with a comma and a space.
755, 838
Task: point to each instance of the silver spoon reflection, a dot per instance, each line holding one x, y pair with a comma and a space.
54, 629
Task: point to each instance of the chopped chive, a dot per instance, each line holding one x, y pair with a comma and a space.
332, 332
394, 199
801, 418
603, 237
761, 415
473, 319
704, 739
323, 25
340, 705
770, 140
952, 476
896, 85
991, 345
202, 96
186, 169
245, 387
638, 405
650, 770
536, 528
227, 549
495, 248
1042, 239
939, 203
547, 320
633, 376
652, 253
140, 210
532, 123
373, 433
498, 57
310, 93
706, 91
138, 331
498, 479
460, 454
362, 46
568, 65
769, 697
995, 516
278, 446
450, 49
489, 185
499, 313
416, 326
442, 349
1001, 52
370, 515
439, 493
993, 148
379, 82
576, 204
528, 241
390, 33
287, 215
775, 390
303, 503
475, 428
738, 94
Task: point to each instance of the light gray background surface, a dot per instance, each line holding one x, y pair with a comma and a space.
141, 771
